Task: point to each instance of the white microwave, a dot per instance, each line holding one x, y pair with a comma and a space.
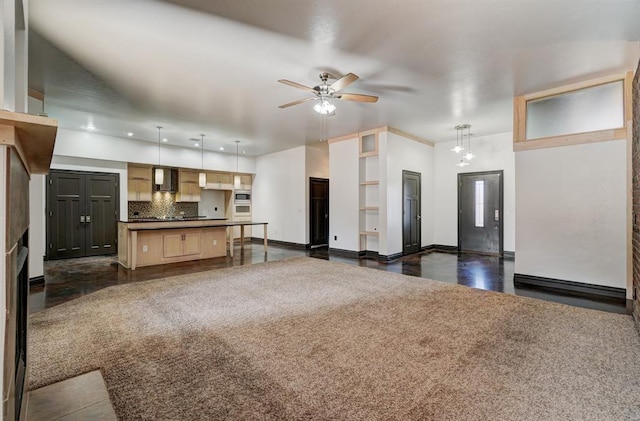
242, 196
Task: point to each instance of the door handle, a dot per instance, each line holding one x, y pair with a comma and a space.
418, 217
88, 219
82, 219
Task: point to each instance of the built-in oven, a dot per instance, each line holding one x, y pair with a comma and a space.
242, 210
242, 196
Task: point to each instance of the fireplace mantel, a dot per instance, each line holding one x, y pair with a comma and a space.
32, 136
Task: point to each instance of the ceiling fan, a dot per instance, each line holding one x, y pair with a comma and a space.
325, 92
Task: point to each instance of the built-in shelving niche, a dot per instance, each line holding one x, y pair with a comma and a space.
369, 192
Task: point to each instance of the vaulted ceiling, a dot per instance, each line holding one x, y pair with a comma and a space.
196, 66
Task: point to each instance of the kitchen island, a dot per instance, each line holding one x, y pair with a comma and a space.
147, 242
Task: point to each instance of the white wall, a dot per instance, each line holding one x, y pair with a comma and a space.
212, 204
278, 195
344, 195
493, 152
571, 220
95, 146
404, 154
37, 228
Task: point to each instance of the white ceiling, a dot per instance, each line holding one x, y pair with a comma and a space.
195, 66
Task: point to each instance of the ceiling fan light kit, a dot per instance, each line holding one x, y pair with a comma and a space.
325, 92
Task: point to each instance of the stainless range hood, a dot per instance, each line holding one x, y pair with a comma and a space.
170, 180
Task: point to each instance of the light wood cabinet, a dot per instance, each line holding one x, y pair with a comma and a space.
245, 182
161, 246
181, 244
188, 188
139, 186
219, 181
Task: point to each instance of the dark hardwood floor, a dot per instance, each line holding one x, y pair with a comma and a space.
72, 278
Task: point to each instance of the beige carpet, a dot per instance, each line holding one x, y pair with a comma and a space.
309, 339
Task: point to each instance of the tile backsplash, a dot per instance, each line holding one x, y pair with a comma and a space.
162, 204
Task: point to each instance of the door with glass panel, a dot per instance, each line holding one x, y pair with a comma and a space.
480, 212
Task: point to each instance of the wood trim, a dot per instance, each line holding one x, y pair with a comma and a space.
370, 208
520, 141
370, 233
342, 138
575, 86
409, 136
628, 98
630, 209
519, 119
370, 183
36, 94
573, 139
35, 134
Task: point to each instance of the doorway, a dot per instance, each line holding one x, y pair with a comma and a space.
319, 211
82, 214
411, 207
480, 212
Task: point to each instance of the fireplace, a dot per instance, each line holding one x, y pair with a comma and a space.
16, 329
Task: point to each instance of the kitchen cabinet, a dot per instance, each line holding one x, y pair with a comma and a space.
188, 188
156, 246
219, 181
139, 186
244, 182
181, 244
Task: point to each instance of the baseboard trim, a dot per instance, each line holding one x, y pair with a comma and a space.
441, 248
347, 253
36, 280
389, 258
509, 255
280, 243
580, 289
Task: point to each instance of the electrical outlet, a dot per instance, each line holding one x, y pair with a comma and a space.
335, 238
145, 248
215, 242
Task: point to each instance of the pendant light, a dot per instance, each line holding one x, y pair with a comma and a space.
202, 177
458, 148
159, 173
236, 177
468, 156
460, 135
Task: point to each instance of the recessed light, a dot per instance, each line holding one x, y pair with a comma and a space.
165, 140
244, 151
91, 127
196, 144
130, 134
222, 148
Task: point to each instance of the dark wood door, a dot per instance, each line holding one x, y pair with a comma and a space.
82, 214
411, 218
319, 214
480, 212
66, 211
101, 217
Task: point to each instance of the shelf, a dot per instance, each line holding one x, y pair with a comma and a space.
35, 136
370, 183
369, 208
370, 233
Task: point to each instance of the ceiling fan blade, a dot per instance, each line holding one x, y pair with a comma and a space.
357, 97
297, 85
300, 101
343, 82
